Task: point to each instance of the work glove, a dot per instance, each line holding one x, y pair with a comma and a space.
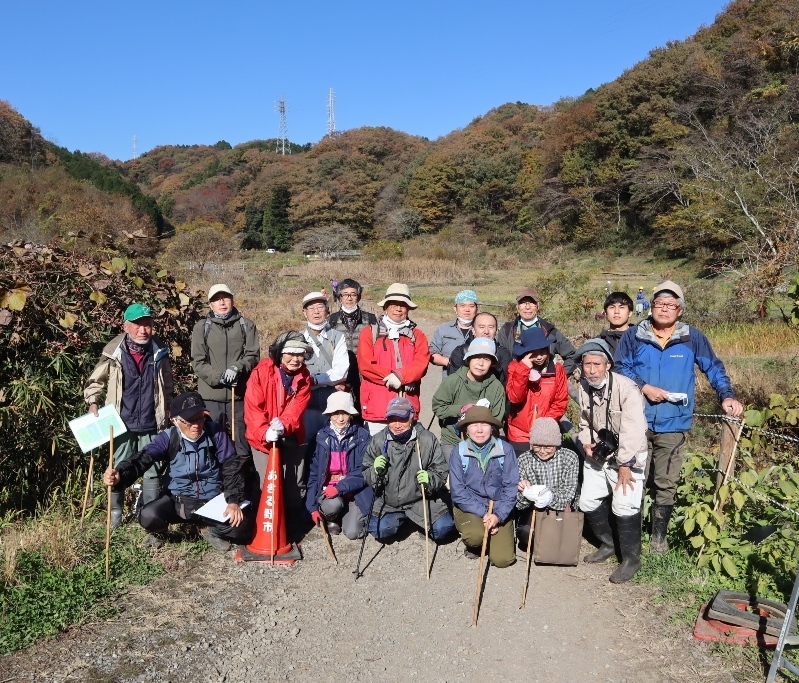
380, 464
271, 435
531, 492
423, 477
466, 407
392, 381
330, 491
483, 403
534, 375
229, 376
316, 517
277, 426
543, 499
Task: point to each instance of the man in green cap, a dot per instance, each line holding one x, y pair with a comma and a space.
135, 375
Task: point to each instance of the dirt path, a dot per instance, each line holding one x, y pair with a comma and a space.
223, 621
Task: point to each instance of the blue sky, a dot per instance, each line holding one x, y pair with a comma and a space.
90, 74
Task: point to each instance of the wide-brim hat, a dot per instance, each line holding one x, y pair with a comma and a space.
597, 346
397, 292
478, 414
532, 339
220, 288
481, 346
340, 401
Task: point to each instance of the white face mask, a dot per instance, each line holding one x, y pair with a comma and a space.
529, 322
597, 385
464, 323
349, 309
317, 328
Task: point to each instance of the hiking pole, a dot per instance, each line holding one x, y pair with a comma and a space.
357, 571
426, 519
108, 506
89, 476
480, 571
430, 424
233, 414
323, 529
527, 571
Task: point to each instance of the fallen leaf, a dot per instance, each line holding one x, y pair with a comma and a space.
68, 320
98, 297
6, 316
101, 284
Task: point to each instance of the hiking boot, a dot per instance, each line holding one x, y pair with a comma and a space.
629, 529
116, 508
599, 521
216, 543
471, 553
333, 528
661, 514
155, 540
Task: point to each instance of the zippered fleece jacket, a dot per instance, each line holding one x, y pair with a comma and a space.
471, 487
458, 390
225, 346
266, 399
397, 490
108, 375
550, 393
640, 357
352, 485
198, 470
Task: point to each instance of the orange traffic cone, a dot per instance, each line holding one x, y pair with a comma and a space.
270, 543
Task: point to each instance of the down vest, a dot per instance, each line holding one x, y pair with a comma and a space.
550, 394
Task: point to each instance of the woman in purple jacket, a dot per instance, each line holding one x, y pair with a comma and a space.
483, 468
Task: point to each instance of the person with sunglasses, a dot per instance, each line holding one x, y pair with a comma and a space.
201, 462
659, 355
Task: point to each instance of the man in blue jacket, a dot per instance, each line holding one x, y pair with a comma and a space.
201, 463
659, 355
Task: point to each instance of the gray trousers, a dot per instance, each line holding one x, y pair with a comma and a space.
353, 522
128, 444
292, 458
220, 413
666, 455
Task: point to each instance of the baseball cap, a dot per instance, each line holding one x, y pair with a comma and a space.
136, 312
313, 297
480, 346
216, 289
187, 405
670, 287
399, 407
528, 293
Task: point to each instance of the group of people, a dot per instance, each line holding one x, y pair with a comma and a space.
341, 400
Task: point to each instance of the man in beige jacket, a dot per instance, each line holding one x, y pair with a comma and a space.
613, 436
136, 376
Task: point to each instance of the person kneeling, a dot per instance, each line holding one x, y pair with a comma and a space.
548, 476
201, 464
391, 467
483, 468
337, 493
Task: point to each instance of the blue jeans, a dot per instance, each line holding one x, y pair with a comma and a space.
388, 525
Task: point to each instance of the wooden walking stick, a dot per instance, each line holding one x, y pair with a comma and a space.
108, 506
89, 476
323, 529
426, 519
480, 571
233, 415
527, 571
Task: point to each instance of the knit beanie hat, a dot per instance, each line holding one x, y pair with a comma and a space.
545, 432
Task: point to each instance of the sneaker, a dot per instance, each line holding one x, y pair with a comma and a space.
333, 528
216, 543
155, 540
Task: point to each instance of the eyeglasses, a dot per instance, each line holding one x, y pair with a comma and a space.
349, 295
665, 306
197, 419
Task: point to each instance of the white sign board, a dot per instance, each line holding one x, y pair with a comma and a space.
92, 431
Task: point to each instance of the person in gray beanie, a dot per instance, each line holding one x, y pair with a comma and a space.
547, 475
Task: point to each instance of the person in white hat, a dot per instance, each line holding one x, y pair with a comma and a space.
224, 351
337, 493
393, 356
328, 364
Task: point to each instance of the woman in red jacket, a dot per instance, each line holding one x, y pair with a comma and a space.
537, 386
278, 391
392, 358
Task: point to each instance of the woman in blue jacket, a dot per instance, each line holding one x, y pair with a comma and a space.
483, 468
337, 492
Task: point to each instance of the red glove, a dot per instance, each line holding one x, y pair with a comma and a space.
316, 517
330, 491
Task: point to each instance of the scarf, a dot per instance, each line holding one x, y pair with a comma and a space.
482, 452
286, 379
350, 318
404, 436
220, 316
394, 328
134, 347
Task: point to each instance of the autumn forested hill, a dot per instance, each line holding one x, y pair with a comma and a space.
693, 151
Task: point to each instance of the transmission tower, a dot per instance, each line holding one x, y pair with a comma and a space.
331, 116
282, 146
135, 148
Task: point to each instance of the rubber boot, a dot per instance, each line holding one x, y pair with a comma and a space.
116, 508
661, 514
629, 529
150, 490
599, 521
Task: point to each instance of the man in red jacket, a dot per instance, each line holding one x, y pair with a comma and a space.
277, 393
392, 358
